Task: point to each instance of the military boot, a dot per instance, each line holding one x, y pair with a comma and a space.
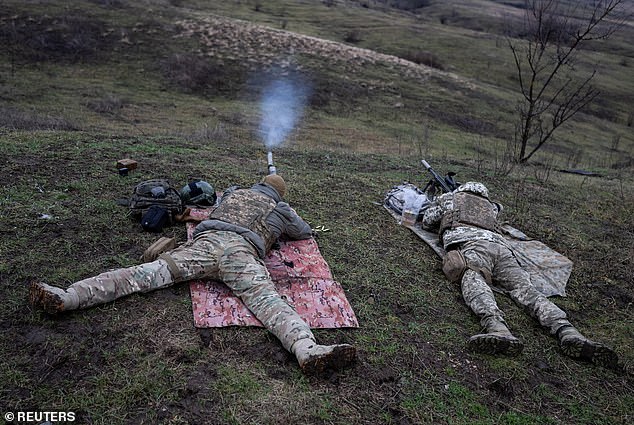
314, 359
52, 299
575, 345
497, 339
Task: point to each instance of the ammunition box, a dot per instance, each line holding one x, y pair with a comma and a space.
128, 163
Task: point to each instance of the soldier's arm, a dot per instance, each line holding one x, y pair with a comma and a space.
294, 226
433, 215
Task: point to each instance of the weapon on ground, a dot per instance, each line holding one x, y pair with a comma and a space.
446, 184
271, 167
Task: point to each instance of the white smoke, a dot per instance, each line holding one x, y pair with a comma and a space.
282, 105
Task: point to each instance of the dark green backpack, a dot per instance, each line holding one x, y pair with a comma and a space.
155, 192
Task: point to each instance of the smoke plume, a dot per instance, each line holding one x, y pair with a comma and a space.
282, 105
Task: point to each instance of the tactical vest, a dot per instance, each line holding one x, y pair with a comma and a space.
470, 210
249, 209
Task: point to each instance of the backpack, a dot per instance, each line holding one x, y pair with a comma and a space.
156, 192
406, 196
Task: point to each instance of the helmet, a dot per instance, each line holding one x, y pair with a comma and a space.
276, 182
198, 193
474, 187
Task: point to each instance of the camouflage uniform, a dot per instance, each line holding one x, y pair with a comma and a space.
488, 257
228, 247
467, 223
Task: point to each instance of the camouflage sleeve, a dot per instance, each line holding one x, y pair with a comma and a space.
431, 217
433, 214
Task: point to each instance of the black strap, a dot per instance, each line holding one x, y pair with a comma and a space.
194, 189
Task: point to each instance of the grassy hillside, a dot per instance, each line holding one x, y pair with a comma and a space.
176, 85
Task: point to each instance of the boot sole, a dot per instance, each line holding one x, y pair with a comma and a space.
495, 344
591, 352
339, 358
47, 301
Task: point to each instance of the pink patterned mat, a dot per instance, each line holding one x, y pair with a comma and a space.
300, 274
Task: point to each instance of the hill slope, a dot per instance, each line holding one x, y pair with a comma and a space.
176, 85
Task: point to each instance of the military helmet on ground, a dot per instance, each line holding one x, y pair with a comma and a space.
474, 187
198, 193
276, 182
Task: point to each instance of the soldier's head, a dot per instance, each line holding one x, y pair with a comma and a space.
276, 182
474, 187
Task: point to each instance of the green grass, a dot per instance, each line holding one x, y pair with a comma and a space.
139, 360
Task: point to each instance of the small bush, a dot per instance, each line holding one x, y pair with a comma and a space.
407, 4
331, 93
195, 74
111, 4
352, 36
108, 104
422, 57
42, 38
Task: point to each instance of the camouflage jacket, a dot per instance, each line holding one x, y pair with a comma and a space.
443, 205
282, 221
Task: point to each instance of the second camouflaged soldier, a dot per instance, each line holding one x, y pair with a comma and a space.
478, 256
230, 247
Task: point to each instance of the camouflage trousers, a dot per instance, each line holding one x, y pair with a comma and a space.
224, 256
498, 261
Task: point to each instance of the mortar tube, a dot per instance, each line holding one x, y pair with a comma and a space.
271, 167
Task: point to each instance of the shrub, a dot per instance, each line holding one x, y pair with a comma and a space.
112, 4
330, 93
108, 104
195, 74
423, 58
73, 38
352, 36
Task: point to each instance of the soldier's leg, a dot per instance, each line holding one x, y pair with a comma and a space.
497, 337
511, 277
102, 288
480, 298
193, 259
248, 278
516, 281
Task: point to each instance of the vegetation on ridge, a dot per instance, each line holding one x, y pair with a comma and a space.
85, 83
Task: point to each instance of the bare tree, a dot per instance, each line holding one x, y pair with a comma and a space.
545, 54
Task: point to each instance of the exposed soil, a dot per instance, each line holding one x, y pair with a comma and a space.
74, 349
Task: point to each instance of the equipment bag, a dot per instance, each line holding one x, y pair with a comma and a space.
155, 219
454, 265
406, 194
157, 248
156, 192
